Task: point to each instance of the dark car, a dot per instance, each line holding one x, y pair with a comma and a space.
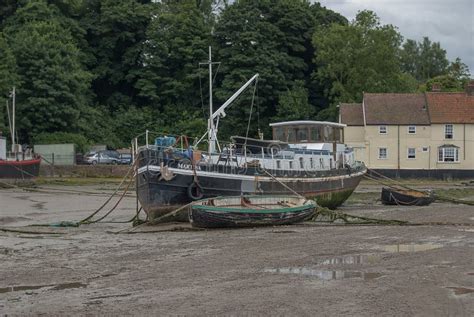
125, 158
102, 157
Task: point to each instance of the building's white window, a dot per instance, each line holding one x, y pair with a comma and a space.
411, 154
382, 129
448, 131
424, 149
382, 153
411, 129
448, 154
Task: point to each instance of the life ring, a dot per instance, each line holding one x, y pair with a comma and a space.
195, 191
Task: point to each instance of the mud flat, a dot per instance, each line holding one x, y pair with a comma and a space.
300, 270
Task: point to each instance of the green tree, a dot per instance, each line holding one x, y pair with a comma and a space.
293, 104
410, 57
433, 61
8, 79
459, 71
115, 33
361, 56
272, 38
53, 89
177, 41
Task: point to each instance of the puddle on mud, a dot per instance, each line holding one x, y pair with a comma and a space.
62, 286
21, 288
326, 275
398, 248
351, 259
55, 287
461, 290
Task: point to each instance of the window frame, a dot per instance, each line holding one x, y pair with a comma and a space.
414, 153
414, 129
385, 129
386, 153
442, 154
446, 131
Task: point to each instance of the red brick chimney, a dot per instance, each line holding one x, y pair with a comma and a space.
436, 87
470, 88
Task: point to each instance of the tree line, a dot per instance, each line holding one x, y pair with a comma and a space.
103, 71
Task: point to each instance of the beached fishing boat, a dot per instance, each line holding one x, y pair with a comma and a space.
403, 197
250, 211
307, 157
20, 163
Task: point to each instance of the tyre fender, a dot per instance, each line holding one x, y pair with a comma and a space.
195, 191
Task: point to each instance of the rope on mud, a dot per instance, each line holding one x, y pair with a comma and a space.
28, 231
326, 215
85, 220
323, 214
88, 220
156, 220
453, 200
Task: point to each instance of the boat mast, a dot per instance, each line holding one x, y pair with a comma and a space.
13, 120
210, 133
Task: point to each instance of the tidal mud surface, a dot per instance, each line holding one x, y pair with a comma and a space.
300, 270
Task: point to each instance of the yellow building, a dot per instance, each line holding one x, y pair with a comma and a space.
411, 135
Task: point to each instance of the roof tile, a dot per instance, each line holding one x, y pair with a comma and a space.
450, 107
395, 109
351, 113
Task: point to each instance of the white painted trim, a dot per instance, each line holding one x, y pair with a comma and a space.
179, 171
332, 124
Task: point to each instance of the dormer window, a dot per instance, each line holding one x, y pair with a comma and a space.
448, 131
382, 129
411, 129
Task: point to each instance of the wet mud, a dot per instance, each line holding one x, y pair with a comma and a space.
299, 270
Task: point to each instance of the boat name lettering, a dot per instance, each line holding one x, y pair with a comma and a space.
188, 166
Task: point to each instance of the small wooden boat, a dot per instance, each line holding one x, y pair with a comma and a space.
250, 211
405, 197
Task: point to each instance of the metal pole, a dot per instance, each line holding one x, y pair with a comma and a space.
211, 121
146, 136
13, 120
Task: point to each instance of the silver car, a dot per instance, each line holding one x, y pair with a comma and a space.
102, 157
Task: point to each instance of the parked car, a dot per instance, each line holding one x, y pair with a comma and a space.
125, 158
102, 157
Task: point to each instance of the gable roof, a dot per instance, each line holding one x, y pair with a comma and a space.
455, 107
351, 113
395, 109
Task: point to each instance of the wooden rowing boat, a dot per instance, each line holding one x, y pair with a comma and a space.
250, 211
403, 197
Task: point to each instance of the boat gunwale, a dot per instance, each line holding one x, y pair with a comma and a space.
307, 204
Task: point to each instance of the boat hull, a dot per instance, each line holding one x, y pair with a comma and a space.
22, 169
158, 196
393, 197
203, 216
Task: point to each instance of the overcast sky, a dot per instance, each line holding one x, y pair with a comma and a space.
450, 22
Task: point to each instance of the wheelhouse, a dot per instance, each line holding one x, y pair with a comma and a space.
297, 132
